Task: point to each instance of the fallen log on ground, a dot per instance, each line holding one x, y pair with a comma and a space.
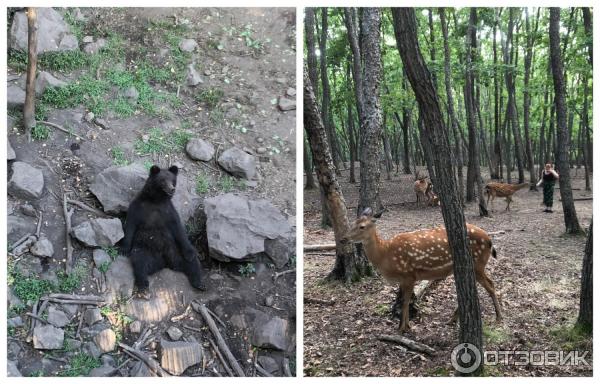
410, 344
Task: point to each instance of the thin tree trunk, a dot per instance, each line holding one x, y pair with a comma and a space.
527, 97
308, 169
562, 147
405, 27
29, 106
497, 158
586, 301
349, 264
587, 25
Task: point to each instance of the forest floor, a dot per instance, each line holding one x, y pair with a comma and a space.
247, 60
537, 275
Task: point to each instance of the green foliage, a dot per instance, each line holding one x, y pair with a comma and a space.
63, 61
104, 266
158, 142
36, 373
30, 289
71, 282
113, 252
118, 156
202, 184
571, 337
495, 335
40, 132
255, 44
81, 365
122, 107
86, 91
211, 97
247, 269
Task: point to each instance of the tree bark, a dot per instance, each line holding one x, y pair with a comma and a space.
587, 25
562, 138
311, 57
352, 31
349, 264
308, 169
405, 28
586, 301
29, 106
531, 35
497, 157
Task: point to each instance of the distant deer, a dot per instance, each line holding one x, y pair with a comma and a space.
494, 190
424, 191
410, 257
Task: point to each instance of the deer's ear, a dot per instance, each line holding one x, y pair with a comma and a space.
368, 212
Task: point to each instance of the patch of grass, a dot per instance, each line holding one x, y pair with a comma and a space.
71, 282
247, 269
495, 335
64, 61
36, 373
211, 97
104, 266
81, 365
382, 309
257, 45
113, 252
122, 107
228, 183
76, 25
439, 371
158, 142
40, 132
120, 78
571, 337
29, 288
85, 91
202, 184
118, 156
216, 116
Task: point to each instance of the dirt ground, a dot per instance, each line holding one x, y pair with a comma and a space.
537, 276
249, 79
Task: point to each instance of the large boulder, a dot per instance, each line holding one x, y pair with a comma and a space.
270, 334
116, 187
99, 232
45, 80
106, 340
18, 226
238, 163
48, 337
238, 227
176, 357
199, 149
12, 370
26, 182
53, 33
15, 96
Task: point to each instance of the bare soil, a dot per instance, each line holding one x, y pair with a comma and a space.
537, 276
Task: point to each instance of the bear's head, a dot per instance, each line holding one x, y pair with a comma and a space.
161, 183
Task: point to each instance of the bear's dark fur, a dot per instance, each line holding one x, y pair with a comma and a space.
154, 235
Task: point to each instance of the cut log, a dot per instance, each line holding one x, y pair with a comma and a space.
319, 247
410, 344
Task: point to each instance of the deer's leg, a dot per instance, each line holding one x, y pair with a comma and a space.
488, 284
407, 290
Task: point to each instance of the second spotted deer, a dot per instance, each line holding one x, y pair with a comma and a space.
410, 257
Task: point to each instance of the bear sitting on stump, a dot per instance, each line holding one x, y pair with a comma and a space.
155, 238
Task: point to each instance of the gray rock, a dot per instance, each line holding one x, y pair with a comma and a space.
53, 33
78, 15
115, 187
188, 45
131, 93
108, 360
101, 122
99, 232
103, 371
135, 326
106, 340
101, 257
141, 370
45, 80
270, 334
269, 364
90, 348
119, 279
15, 96
95, 47
176, 357
291, 92
10, 152
28, 210
26, 181
57, 317
70, 309
87, 39
15, 322
42, 248
238, 163
89, 117
48, 337
281, 249
238, 227
12, 370
199, 149
261, 150
174, 333
92, 315
193, 78
286, 104
281, 80
73, 344
18, 227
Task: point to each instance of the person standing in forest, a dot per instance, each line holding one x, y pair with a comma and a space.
549, 177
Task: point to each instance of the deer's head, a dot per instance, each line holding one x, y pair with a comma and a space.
363, 227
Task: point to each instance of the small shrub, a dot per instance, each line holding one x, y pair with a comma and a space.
40, 132
118, 156
247, 269
202, 184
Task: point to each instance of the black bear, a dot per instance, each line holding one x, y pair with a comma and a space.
154, 235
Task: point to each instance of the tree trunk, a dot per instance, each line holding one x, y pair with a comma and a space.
497, 157
474, 168
387, 151
29, 106
587, 25
586, 300
350, 19
370, 124
587, 142
308, 169
562, 147
349, 264
527, 97
311, 57
351, 138
405, 28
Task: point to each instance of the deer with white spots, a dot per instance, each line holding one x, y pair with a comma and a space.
410, 257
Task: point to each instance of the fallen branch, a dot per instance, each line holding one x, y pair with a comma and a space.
216, 317
19, 242
36, 317
411, 344
201, 308
496, 233
66, 301
68, 213
87, 208
580, 199
220, 356
60, 129
420, 292
67, 296
175, 319
39, 226
319, 247
277, 275
80, 322
262, 371
152, 364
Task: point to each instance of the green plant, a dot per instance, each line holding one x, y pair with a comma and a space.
118, 156
157, 142
210, 96
104, 266
40, 132
247, 269
72, 281
122, 107
36, 373
494, 335
113, 252
29, 288
226, 183
571, 336
81, 365
202, 184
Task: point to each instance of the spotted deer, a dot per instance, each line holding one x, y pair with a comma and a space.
410, 257
421, 189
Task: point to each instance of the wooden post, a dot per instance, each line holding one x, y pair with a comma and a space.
29, 107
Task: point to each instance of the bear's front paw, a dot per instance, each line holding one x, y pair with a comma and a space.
198, 284
142, 293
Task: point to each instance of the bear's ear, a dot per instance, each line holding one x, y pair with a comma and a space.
154, 170
173, 169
